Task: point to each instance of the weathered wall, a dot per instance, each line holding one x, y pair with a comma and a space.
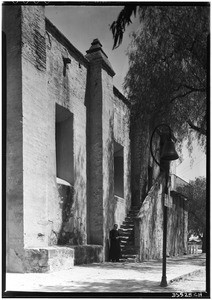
37, 81
14, 158
94, 154
66, 86
108, 121
150, 234
144, 170
119, 214
35, 126
149, 225
115, 128
46, 71
108, 155
177, 227
122, 136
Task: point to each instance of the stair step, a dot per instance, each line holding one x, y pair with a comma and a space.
125, 231
124, 237
123, 246
129, 218
133, 212
129, 255
133, 260
135, 207
131, 247
127, 224
122, 242
128, 249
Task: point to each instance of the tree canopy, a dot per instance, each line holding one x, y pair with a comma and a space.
168, 57
197, 207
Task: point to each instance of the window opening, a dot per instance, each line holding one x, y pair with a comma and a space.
118, 170
64, 144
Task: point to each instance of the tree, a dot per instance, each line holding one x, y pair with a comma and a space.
167, 77
197, 209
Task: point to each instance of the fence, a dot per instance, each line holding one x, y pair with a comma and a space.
194, 248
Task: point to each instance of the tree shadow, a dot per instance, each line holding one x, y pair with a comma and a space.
140, 267
110, 286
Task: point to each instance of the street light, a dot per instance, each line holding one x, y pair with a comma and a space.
168, 154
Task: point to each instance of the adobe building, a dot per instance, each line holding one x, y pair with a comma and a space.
68, 160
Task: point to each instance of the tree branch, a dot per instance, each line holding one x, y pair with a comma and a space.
194, 89
181, 96
123, 20
194, 127
191, 90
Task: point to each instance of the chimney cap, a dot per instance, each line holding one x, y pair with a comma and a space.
96, 46
95, 53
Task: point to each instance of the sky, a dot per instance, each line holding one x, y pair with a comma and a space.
192, 167
81, 25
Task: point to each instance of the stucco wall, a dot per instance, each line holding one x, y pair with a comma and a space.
104, 107
36, 82
108, 154
45, 70
122, 136
14, 136
177, 227
94, 154
115, 129
149, 224
144, 170
66, 86
35, 127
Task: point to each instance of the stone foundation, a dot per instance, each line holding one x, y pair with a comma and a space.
57, 258
49, 259
87, 254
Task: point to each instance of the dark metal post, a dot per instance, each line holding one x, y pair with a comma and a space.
164, 279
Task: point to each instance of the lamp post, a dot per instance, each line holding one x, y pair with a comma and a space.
168, 154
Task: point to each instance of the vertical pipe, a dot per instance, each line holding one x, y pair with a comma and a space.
164, 279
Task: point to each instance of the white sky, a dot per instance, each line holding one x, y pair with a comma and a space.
192, 167
81, 25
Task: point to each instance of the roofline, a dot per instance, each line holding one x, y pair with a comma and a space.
60, 36
121, 96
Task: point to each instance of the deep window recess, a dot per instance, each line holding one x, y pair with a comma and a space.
118, 170
64, 144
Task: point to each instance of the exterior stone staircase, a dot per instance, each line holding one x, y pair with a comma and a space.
128, 249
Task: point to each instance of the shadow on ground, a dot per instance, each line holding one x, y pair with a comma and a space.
149, 265
121, 286
126, 266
